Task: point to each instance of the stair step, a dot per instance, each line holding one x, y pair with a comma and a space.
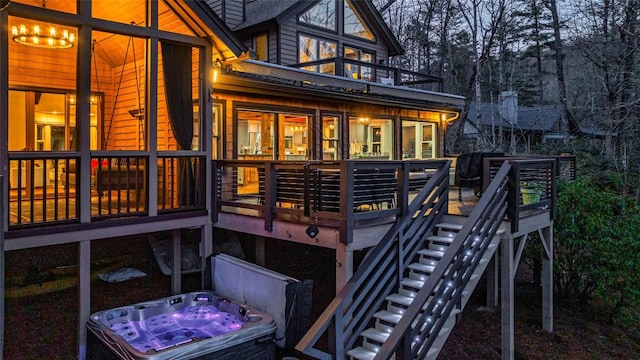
361, 353
440, 239
431, 254
375, 335
412, 283
399, 299
449, 226
388, 317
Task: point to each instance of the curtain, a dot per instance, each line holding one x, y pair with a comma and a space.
177, 69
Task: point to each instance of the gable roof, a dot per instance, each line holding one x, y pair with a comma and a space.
261, 11
223, 38
225, 42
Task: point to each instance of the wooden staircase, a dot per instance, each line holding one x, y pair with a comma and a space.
418, 272
406, 296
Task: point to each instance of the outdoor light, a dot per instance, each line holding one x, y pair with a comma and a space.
313, 231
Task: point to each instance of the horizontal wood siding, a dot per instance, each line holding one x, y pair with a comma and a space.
39, 67
233, 12
289, 42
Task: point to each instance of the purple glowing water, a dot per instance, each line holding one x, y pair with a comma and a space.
197, 322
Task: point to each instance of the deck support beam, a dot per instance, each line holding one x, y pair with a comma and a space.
176, 266
506, 298
546, 278
344, 265
84, 295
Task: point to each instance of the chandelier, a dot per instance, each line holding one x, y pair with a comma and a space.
34, 36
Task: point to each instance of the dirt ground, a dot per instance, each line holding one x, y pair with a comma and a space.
45, 326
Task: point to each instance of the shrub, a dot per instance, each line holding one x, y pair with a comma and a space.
596, 250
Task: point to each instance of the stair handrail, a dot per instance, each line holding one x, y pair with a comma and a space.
414, 335
380, 272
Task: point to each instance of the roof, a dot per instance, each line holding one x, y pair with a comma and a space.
223, 38
261, 11
535, 118
257, 75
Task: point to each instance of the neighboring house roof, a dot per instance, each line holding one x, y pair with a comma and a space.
261, 11
530, 118
539, 118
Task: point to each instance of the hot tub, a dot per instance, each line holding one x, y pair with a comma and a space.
197, 325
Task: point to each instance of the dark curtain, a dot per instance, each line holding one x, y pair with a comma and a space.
177, 69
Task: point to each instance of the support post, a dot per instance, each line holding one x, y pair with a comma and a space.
344, 265
506, 299
84, 295
492, 281
260, 251
546, 278
176, 266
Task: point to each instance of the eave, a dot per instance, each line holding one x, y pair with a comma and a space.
268, 79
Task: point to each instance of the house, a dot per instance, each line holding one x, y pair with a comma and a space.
314, 139
528, 125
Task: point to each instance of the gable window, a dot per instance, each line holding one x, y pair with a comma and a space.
261, 47
353, 24
313, 49
355, 70
322, 14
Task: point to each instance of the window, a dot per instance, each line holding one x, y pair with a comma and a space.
370, 138
418, 140
331, 138
322, 14
312, 49
353, 24
261, 47
355, 70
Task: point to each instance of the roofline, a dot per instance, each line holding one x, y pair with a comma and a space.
219, 30
358, 89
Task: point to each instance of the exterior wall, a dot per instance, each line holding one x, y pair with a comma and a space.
345, 108
230, 11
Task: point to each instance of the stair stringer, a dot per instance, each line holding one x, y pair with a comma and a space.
466, 295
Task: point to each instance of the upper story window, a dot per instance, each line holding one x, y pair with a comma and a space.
354, 25
322, 14
261, 46
355, 70
313, 49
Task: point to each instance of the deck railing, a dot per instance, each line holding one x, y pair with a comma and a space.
44, 187
361, 70
533, 183
340, 193
37, 191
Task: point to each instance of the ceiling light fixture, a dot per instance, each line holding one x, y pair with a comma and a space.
36, 35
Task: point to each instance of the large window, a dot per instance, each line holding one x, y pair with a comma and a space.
312, 49
370, 138
418, 140
353, 24
272, 135
322, 14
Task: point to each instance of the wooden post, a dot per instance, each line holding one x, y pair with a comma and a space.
176, 268
344, 265
546, 278
260, 252
506, 299
2, 265
84, 295
492, 281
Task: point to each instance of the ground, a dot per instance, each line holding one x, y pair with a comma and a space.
44, 326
